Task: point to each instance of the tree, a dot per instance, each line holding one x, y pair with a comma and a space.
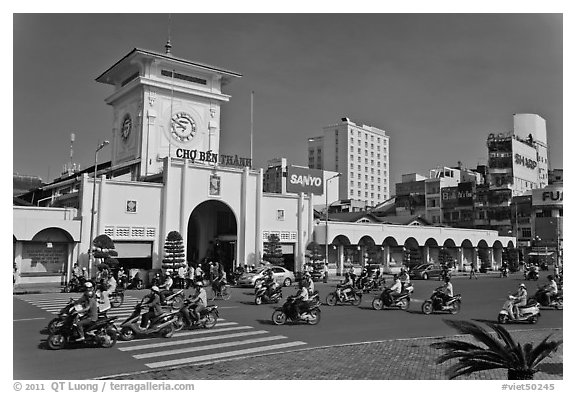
315, 251
173, 251
500, 351
273, 251
104, 249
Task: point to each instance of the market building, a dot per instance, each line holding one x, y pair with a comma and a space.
168, 173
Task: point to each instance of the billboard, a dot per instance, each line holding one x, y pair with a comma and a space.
549, 196
308, 181
466, 193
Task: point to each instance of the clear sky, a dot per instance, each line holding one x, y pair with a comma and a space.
438, 84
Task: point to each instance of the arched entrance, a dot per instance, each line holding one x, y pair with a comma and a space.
212, 234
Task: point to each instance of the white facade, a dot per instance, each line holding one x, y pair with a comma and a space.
360, 153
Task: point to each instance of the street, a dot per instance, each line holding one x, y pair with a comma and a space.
246, 329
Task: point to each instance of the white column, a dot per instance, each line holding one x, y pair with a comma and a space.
242, 224
258, 235
183, 204
460, 258
340, 265
310, 219
300, 247
101, 203
164, 214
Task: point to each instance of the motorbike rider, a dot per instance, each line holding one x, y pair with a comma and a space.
89, 313
269, 282
219, 281
76, 271
551, 289
121, 275
84, 299
198, 301
153, 304
166, 287
404, 278
446, 291
300, 303
309, 283
519, 300
346, 286
394, 291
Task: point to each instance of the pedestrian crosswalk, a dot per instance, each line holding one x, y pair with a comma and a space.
227, 340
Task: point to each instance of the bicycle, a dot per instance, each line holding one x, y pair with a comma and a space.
117, 298
224, 293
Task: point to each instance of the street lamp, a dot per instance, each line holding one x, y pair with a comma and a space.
326, 215
93, 211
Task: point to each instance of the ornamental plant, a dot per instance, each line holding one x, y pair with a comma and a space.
273, 251
499, 351
173, 251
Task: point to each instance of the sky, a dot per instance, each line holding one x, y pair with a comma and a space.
438, 84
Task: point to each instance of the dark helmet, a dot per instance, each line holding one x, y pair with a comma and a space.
447, 279
395, 277
269, 273
550, 277
346, 274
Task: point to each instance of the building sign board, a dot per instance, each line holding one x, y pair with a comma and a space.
214, 158
308, 181
549, 196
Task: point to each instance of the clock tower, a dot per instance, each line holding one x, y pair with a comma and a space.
162, 104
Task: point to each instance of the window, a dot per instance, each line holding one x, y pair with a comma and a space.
366, 144
351, 166
371, 162
359, 176
378, 196
280, 215
372, 195
359, 151
372, 138
359, 159
366, 177
187, 78
359, 193
351, 149
352, 183
378, 156
366, 194
359, 168
366, 161
371, 146
351, 141
372, 170
351, 157
526, 232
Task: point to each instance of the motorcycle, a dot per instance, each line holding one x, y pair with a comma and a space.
355, 297
175, 299
531, 275
504, 272
556, 301
102, 333
402, 302
435, 303
528, 313
263, 296
57, 322
76, 284
223, 293
288, 313
162, 324
135, 283
117, 297
208, 318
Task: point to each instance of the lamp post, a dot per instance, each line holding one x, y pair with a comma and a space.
326, 215
93, 211
537, 240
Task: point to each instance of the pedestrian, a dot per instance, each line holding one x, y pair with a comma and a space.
473, 270
325, 278
198, 273
181, 277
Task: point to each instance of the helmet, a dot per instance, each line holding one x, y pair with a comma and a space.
550, 277
307, 274
199, 284
269, 272
84, 268
395, 277
88, 285
447, 279
522, 285
155, 288
90, 293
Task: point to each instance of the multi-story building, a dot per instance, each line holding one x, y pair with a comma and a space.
360, 153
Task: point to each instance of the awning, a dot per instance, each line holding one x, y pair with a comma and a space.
133, 249
540, 253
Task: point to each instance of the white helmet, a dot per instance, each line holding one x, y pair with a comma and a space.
522, 285
88, 285
155, 288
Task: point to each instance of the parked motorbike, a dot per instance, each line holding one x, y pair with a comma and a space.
162, 324
266, 295
135, 283
76, 284
288, 313
435, 303
556, 301
402, 302
208, 317
354, 298
531, 275
102, 333
528, 313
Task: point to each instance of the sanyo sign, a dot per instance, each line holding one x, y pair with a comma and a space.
308, 181
547, 196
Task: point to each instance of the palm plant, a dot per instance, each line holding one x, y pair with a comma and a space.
502, 351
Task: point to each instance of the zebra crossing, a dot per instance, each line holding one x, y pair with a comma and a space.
227, 340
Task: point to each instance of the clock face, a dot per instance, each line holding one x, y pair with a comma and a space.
183, 127
126, 127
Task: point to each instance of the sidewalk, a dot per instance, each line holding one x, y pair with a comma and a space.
403, 359
24, 289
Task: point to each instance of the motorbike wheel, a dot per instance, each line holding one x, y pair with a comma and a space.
258, 300
127, 334
211, 320
427, 307
278, 317
533, 319
559, 305
315, 314
140, 285
108, 339
168, 331
56, 341
356, 300
425, 276
503, 319
287, 282
66, 289
455, 309
178, 302
404, 304
117, 299
331, 299
226, 294
377, 304
54, 325
178, 323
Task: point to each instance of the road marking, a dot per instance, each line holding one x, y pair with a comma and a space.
223, 355
190, 341
26, 319
207, 347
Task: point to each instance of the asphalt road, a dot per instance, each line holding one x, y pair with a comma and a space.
482, 299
